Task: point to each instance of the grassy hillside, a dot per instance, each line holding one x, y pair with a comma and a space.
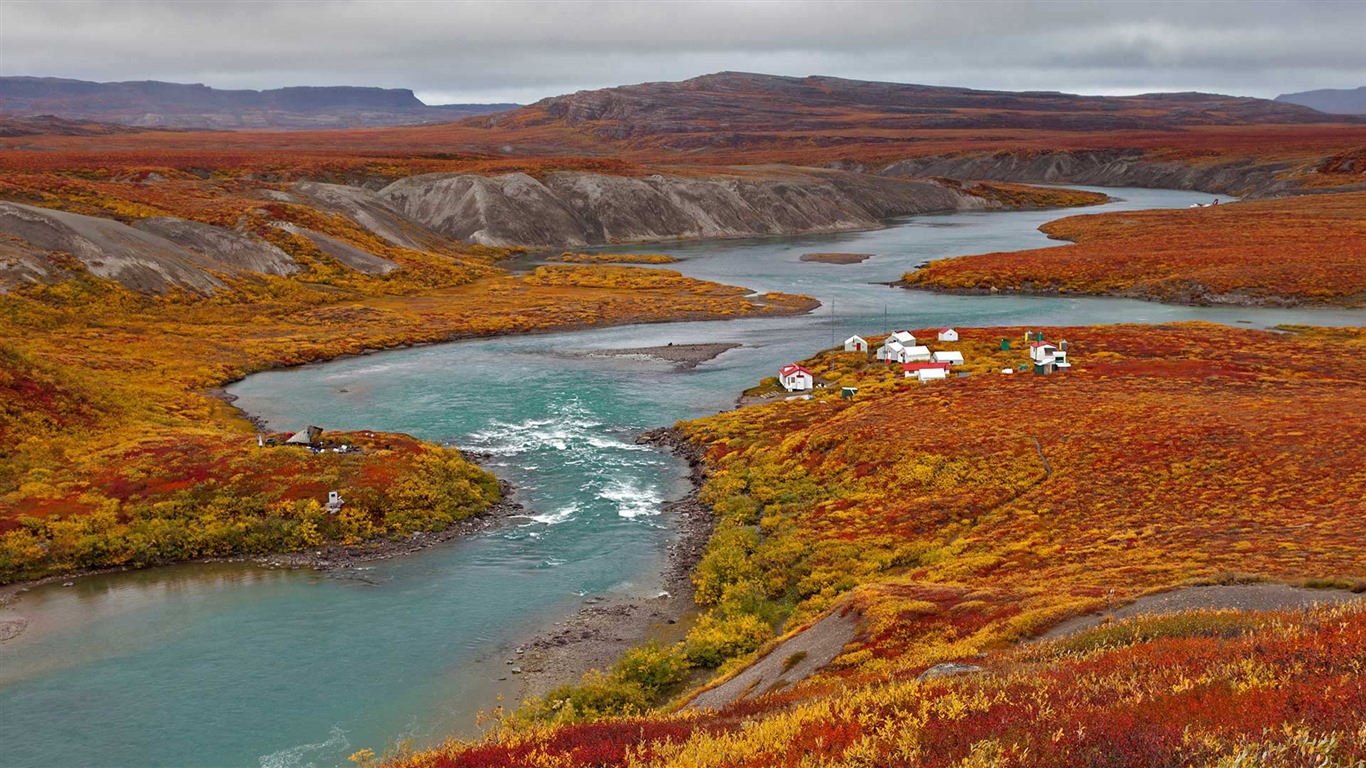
113, 451
959, 518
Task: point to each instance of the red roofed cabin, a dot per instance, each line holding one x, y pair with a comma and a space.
926, 371
1040, 350
795, 378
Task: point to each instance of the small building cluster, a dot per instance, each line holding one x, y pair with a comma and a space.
1047, 358
920, 363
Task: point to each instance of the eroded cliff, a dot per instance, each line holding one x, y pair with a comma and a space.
1243, 177
571, 209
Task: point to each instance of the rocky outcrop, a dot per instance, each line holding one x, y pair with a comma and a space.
369, 210
349, 255
154, 255
572, 209
1110, 168
222, 250
139, 260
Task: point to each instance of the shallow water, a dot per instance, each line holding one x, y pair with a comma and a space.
235, 665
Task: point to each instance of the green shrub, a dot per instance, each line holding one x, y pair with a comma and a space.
714, 639
596, 696
726, 562
653, 668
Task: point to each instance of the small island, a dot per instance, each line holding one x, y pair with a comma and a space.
837, 258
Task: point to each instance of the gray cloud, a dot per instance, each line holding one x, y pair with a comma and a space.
522, 51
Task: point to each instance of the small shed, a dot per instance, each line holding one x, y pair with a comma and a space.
334, 502
890, 351
1041, 350
931, 374
847, 393
308, 436
855, 344
948, 334
795, 378
915, 354
1005, 344
952, 357
1060, 361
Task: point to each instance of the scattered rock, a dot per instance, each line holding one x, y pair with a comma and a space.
949, 670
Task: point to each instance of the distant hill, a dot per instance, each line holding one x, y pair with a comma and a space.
1336, 101
49, 125
738, 107
150, 104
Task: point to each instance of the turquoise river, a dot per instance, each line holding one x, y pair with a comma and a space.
240, 665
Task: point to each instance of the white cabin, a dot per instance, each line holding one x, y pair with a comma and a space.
795, 378
905, 337
1041, 351
890, 352
949, 356
926, 371
948, 334
855, 344
915, 355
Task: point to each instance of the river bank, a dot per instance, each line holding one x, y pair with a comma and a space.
605, 628
1191, 296
328, 557
427, 635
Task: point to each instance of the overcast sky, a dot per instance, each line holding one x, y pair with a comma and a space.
523, 51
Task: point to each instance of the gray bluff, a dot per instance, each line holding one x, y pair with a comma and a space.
573, 209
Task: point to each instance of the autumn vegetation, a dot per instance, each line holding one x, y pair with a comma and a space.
961, 518
1304, 250
113, 451
957, 520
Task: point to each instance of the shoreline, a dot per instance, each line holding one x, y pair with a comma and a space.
360, 553
605, 628
1231, 300
330, 557
220, 392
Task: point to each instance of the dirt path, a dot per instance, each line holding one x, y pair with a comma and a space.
791, 662
1239, 597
